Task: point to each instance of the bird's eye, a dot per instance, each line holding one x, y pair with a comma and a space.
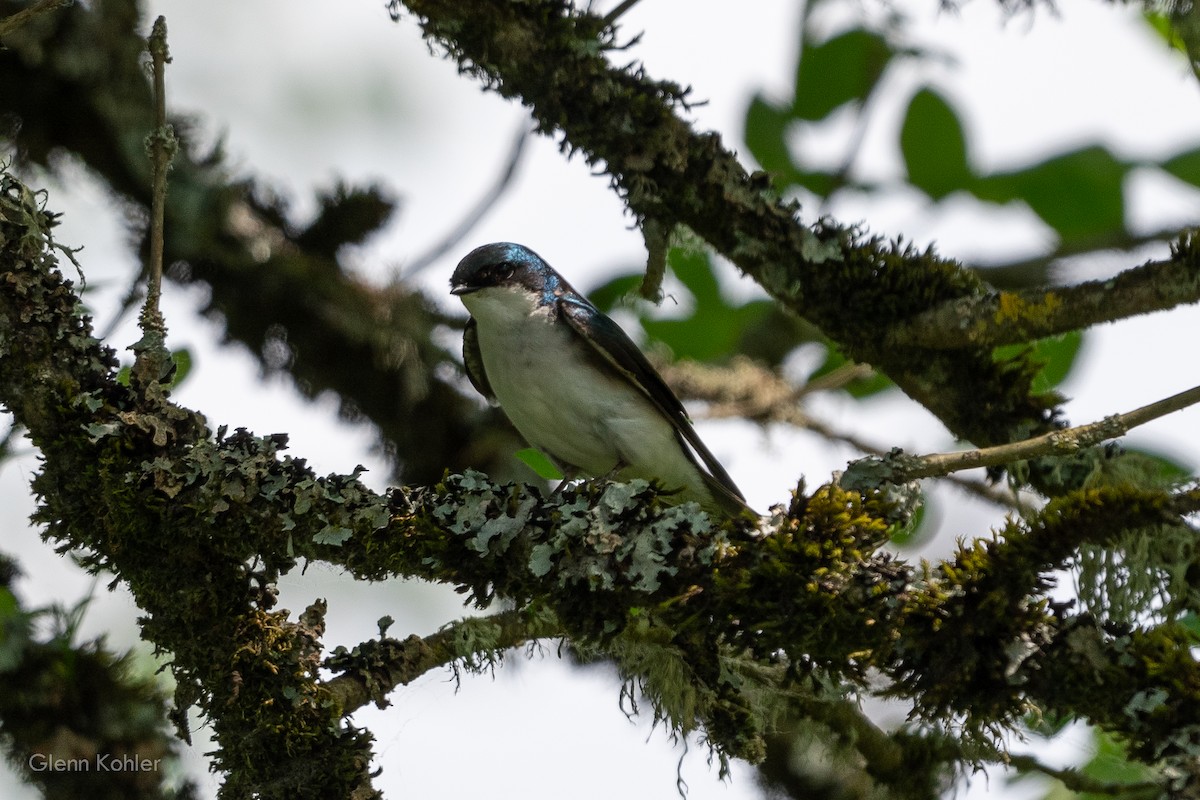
501, 273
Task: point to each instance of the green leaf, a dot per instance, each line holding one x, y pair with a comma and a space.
716, 326
182, 359
1079, 194
1190, 622
918, 530
537, 461
609, 295
838, 71
774, 336
15, 627
934, 146
1163, 470
183, 365
1161, 24
766, 137
1185, 166
1056, 354
1111, 763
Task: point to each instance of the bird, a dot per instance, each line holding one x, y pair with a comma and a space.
574, 385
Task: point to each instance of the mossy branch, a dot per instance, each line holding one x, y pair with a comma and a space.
371, 670
1009, 317
15, 21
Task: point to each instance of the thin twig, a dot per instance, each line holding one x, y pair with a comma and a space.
476, 214
152, 365
14, 21
1060, 442
162, 145
981, 489
617, 12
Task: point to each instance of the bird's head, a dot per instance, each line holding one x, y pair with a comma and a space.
506, 266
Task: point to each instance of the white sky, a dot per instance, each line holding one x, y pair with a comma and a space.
303, 91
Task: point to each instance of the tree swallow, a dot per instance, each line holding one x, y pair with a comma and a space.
574, 385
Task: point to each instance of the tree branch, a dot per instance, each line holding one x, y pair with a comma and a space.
373, 669
15, 21
895, 467
998, 318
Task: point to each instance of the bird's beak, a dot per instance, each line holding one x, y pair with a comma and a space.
462, 289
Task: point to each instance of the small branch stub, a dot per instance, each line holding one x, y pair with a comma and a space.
152, 363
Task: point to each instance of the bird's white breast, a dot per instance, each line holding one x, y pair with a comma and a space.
548, 385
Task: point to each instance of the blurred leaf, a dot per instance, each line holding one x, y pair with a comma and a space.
1111, 764
1056, 354
1178, 24
1161, 24
1078, 194
607, 296
1190, 622
838, 71
866, 387
715, 326
1164, 470
182, 359
714, 330
766, 138
183, 365
772, 337
1185, 166
920, 528
1047, 725
537, 461
15, 628
934, 146
829, 75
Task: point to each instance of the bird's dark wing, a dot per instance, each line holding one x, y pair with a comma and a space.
473, 361
616, 350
